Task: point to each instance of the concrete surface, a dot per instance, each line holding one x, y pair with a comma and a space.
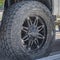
54, 57
57, 36
56, 7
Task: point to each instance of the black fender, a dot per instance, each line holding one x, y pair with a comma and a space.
48, 3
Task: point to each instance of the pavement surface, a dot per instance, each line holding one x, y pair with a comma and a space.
57, 36
54, 57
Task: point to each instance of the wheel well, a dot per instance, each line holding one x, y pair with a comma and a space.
48, 3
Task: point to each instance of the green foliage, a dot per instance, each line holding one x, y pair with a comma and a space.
1, 3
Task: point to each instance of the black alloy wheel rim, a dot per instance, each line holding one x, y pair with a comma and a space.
33, 33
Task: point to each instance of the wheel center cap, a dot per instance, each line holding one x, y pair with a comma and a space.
33, 31
33, 34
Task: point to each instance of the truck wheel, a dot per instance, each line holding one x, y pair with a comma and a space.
27, 31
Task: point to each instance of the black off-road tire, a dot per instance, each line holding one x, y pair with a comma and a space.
11, 41
6, 51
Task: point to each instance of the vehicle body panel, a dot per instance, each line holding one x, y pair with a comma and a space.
53, 5
56, 7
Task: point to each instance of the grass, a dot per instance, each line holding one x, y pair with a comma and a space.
1, 3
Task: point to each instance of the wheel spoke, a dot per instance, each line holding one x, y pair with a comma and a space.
29, 22
24, 30
32, 43
25, 27
36, 21
38, 46
25, 37
40, 28
37, 41
29, 43
40, 36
